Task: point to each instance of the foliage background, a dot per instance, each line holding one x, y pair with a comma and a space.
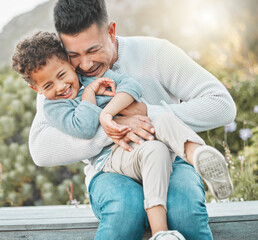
219, 35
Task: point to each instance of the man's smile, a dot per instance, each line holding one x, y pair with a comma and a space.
93, 71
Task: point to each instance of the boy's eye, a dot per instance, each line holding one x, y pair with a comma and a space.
61, 74
47, 86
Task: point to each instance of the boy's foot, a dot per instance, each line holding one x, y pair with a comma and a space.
212, 167
167, 235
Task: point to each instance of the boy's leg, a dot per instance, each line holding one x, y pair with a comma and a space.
149, 164
118, 200
175, 134
208, 161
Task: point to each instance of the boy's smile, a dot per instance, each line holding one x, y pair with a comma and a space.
56, 80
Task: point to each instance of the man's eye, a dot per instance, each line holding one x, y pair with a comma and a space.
73, 56
93, 50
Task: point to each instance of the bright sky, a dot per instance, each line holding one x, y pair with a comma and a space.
12, 8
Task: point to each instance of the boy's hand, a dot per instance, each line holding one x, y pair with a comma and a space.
111, 128
100, 85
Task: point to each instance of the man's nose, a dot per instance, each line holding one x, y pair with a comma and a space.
85, 63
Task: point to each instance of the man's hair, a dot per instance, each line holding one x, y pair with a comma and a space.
73, 16
32, 53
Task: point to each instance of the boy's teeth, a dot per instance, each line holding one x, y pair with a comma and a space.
66, 91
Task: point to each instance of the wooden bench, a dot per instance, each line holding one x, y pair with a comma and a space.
228, 221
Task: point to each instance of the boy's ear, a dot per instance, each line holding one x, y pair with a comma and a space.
34, 88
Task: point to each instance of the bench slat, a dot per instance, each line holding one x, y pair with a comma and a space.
234, 220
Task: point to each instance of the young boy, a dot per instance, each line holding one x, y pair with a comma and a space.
76, 105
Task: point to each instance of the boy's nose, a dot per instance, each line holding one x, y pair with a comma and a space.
60, 87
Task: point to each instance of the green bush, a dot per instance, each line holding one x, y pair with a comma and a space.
21, 181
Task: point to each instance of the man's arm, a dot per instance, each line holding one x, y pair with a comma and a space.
206, 103
51, 147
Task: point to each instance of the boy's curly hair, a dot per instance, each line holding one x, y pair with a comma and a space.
32, 53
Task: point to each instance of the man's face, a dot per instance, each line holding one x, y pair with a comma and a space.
92, 51
56, 80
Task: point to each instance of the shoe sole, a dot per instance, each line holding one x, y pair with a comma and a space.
212, 167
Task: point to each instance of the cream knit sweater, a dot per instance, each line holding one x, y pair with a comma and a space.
166, 73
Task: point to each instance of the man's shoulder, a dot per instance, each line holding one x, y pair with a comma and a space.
146, 42
141, 39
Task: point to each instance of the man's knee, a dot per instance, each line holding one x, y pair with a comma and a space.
190, 218
118, 196
187, 212
118, 201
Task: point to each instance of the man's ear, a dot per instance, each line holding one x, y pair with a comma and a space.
112, 31
34, 88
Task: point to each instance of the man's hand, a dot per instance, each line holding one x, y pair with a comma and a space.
136, 108
111, 128
141, 128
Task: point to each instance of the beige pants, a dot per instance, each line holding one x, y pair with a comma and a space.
150, 163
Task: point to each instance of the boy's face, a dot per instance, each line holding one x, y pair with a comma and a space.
93, 51
56, 80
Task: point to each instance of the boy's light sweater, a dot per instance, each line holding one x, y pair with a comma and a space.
166, 73
80, 118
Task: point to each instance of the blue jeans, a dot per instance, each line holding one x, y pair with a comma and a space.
117, 202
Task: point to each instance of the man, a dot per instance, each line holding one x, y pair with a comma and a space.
167, 74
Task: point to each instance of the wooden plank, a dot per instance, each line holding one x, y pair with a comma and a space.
232, 211
76, 234
47, 217
234, 220
246, 230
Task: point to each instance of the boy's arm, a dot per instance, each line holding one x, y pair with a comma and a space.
50, 147
120, 101
126, 84
78, 117
127, 90
74, 117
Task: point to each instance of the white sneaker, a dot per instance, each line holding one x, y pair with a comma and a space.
212, 167
167, 235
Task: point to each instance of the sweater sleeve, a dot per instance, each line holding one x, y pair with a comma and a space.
125, 83
51, 147
74, 117
205, 102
